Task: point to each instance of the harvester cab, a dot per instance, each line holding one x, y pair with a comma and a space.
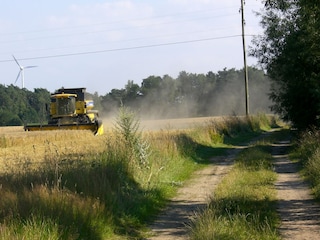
62, 106
70, 110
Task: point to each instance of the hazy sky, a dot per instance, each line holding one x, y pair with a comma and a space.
101, 44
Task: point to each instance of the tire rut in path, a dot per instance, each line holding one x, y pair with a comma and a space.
298, 211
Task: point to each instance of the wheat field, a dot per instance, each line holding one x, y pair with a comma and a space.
19, 148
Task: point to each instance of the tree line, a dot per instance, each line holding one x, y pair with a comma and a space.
19, 106
188, 95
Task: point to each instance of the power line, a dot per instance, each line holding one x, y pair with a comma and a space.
109, 30
125, 48
124, 40
119, 21
165, 21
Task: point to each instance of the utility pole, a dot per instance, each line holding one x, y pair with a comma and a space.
245, 69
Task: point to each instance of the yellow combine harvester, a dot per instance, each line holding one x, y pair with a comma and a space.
70, 110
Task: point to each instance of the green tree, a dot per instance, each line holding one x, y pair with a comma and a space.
132, 93
290, 52
21, 106
151, 100
151, 85
8, 118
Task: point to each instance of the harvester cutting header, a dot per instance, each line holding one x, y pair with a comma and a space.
70, 110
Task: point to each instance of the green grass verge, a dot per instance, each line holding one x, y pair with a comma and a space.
306, 153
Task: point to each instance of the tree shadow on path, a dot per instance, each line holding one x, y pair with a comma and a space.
298, 211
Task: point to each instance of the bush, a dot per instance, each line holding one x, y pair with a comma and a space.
307, 152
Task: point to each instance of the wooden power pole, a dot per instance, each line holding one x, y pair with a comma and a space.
245, 69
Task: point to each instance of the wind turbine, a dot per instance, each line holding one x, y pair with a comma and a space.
21, 72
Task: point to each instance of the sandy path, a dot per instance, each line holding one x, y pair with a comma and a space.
193, 196
299, 213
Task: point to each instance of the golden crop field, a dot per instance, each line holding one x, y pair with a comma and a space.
19, 148
178, 123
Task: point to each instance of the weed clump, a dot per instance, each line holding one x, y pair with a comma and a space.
307, 152
127, 128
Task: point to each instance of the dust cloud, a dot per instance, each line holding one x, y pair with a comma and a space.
227, 97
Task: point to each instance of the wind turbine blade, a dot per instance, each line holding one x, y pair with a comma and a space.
30, 66
17, 62
18, 76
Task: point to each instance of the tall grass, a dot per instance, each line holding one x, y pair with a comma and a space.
71, 185
307, 153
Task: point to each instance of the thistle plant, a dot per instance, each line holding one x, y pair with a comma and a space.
127, 127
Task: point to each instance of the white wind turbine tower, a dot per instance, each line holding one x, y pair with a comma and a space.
21, 72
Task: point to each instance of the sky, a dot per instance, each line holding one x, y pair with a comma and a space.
102, 44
